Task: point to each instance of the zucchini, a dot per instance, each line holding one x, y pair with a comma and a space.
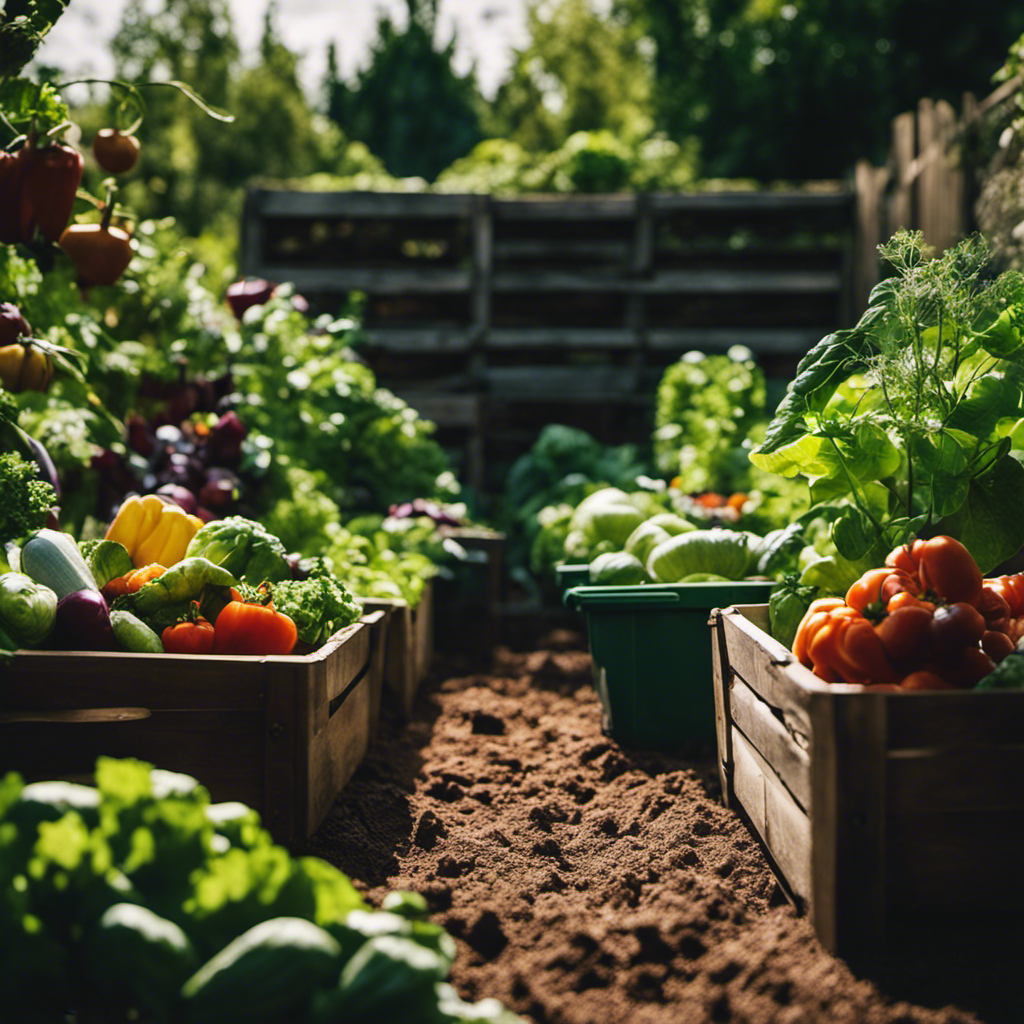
133, 635
138, 960
267, 975
389, 980
53, 559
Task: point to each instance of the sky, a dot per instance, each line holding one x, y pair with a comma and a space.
486, 30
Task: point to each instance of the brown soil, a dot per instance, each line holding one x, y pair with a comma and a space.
586, 883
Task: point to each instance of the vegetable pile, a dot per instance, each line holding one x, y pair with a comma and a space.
140, 899
113, 595
926, 620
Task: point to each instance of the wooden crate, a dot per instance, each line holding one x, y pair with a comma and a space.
409, 646
281, 734
894, 818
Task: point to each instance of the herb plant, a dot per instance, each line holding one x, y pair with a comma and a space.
910, 423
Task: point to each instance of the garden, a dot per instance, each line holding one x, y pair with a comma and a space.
298, 724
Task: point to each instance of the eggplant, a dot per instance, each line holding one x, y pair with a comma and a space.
83, 623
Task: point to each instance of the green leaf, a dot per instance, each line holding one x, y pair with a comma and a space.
989, 523
820, 372
854, 534
989, 399
941, 466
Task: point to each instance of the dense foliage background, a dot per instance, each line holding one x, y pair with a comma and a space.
604, 96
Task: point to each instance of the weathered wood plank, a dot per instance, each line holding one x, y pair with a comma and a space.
611, 207
954, 861
856, 745
419, 339
781, 823
990, 777
838, 199
684, 282
767, 734
283, 203
717, 339
50, 681
556, 337
323, 277
721, 675
222, 747
778, 678
948, 719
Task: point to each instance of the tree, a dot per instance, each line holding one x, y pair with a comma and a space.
802, 88
409, 106
581, 71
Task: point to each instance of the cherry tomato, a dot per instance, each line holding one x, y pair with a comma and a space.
193, 635
996, 645
116, 152
969, 668
956, 626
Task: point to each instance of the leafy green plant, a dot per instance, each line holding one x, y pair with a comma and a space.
910, 423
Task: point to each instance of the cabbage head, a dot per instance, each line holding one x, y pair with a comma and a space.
721, 552
619, 569
673, 523
642, 541
27, 609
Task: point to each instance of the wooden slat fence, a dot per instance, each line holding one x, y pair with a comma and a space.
925, 184
503, 314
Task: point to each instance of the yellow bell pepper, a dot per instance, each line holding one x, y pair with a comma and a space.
153, 530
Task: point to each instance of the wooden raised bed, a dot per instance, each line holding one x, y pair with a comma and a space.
409, 645
894, 818
282, 734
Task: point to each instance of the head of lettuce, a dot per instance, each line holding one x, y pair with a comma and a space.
244, 548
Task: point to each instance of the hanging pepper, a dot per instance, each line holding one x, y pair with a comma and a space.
191, 635
11, 169
153, 530
254, 627
50, 178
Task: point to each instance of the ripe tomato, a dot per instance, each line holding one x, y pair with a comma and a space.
100, 254
116, 152
904, 632
245, 627
956, 626
996, 645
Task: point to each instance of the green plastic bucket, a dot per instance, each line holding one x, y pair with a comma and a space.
569, 576
651, 648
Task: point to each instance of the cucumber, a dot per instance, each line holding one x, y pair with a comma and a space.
52, 558
138, 960
133, 635
267, 975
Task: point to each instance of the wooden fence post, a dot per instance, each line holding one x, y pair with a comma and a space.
901, 201
870, 184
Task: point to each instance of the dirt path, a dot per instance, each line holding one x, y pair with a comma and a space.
586, 884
